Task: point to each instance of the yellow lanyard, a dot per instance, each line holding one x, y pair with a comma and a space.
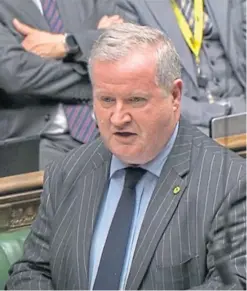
194, 41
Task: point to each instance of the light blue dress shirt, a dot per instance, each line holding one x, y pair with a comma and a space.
144, 190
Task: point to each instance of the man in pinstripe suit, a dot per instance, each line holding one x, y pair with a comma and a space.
180, 200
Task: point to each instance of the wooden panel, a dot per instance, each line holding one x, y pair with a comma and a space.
20, 183
234, 142
18, 210
19, 199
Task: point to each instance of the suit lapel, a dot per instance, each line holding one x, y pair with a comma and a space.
164, 15
90, 190
219, 12
164, 202
32, 13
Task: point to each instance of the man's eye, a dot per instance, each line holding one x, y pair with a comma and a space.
107, 99
137, 99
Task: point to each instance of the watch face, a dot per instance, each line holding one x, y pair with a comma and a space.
72, 44
71, 41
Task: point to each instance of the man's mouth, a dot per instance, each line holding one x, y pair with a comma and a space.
124, 134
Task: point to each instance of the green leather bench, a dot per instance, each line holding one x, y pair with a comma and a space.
19, 202
11, 249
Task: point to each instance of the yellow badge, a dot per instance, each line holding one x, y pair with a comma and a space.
176, 190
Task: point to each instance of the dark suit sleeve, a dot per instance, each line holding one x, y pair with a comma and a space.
237, 255
23, 73
85, 41
126, 9
87, 37
32, 272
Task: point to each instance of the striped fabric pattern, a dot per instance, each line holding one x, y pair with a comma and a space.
188, 11
81, 124
173, 251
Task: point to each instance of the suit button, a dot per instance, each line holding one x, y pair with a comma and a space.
47, 117
212, 62
195, 98
216, 81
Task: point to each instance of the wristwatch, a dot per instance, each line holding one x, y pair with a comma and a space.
71, 44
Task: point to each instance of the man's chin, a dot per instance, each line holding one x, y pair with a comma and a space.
127, 158
132, 158
129, 154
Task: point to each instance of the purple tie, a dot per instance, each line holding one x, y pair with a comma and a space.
81, 124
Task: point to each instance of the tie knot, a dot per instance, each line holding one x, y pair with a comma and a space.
132, 176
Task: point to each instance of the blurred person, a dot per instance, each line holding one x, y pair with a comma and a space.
44, 81
210, 37
141, 207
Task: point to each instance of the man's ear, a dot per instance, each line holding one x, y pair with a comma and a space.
177, 93
94, 118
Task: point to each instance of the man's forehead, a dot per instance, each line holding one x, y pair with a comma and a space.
131, 92
121, 71
134, 57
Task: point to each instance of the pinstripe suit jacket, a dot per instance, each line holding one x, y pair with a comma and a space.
173, 250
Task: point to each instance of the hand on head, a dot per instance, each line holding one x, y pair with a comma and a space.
107, 21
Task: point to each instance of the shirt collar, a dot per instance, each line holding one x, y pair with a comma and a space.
155, 166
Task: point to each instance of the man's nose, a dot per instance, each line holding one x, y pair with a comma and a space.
120, 116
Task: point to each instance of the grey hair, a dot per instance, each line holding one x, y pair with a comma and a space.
121, 39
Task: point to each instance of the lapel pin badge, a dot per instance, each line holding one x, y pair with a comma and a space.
176, 190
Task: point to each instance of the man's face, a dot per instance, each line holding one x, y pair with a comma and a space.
135, 117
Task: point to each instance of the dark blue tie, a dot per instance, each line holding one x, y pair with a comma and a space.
113, 255
81, 124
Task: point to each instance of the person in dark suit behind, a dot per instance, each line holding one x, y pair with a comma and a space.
212, 51
143, 206
43, 54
